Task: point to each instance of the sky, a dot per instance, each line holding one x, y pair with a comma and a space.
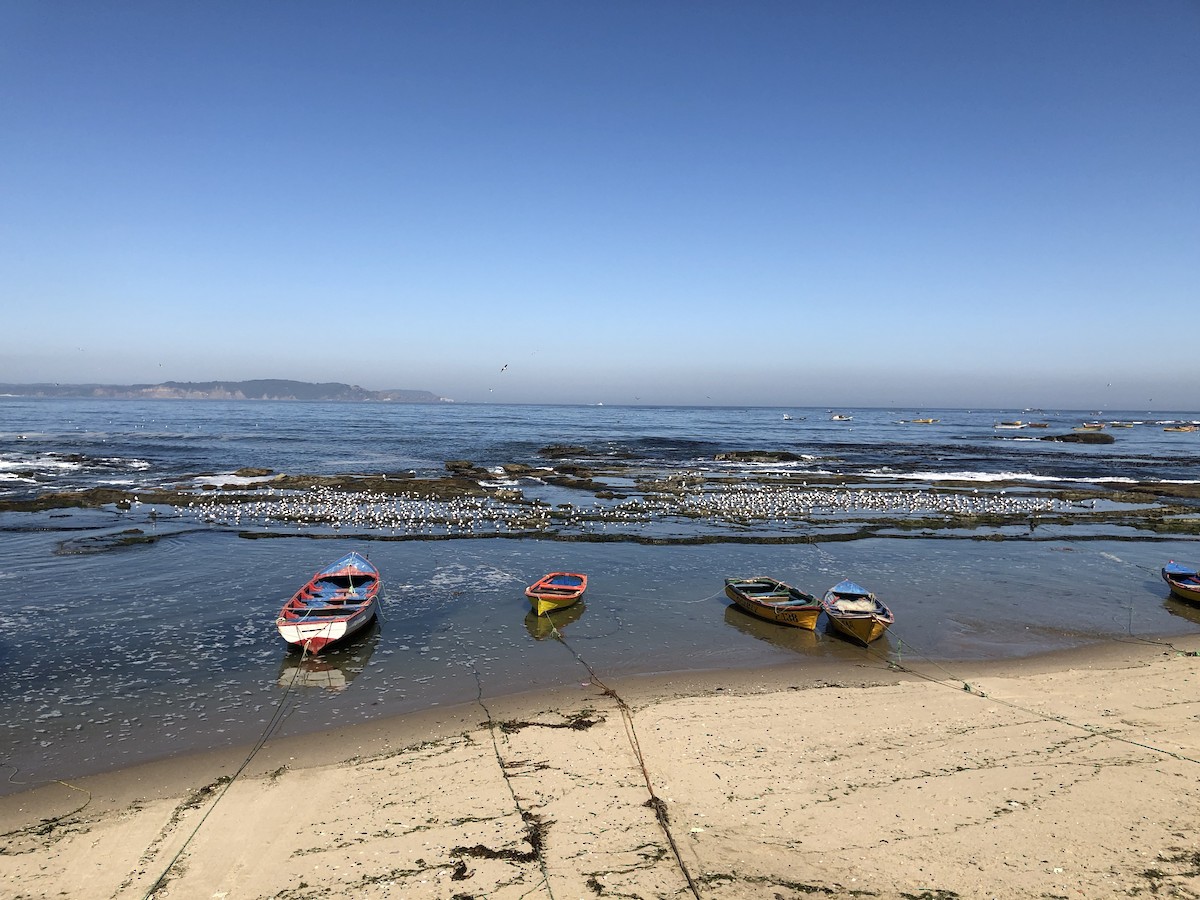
860, 202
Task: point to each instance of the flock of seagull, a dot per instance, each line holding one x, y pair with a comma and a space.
711, 503
756, 502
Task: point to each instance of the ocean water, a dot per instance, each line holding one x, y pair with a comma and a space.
46, 444
115, 653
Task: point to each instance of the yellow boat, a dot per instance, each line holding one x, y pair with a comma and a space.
555, 591
771, 599
1180, 428
856, 613
1184, 582
925, 421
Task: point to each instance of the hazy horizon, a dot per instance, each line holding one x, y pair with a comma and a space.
924, 205
1153, 408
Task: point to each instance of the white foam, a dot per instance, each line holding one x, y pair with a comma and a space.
964, 476
218, 480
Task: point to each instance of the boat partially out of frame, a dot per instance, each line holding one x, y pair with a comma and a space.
1183, 581
555, 591
337, 602
856, 613
775, 601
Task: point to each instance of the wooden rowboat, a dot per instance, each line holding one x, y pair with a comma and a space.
1183, 581
774, 601
856, 613
335, 603
555, 591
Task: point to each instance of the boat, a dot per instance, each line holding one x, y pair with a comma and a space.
924, 421
856, 613
334, 604
771, 599
555, 591
1183, 581
840, 418
1180, 428
1016, 424
1090, 426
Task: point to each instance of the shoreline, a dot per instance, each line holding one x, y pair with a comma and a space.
1002, 785
324, 744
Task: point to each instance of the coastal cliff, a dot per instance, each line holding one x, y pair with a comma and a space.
257, 389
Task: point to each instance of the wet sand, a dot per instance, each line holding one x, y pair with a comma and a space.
1071, 775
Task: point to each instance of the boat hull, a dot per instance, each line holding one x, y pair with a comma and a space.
332, 606
863, 629
790, 606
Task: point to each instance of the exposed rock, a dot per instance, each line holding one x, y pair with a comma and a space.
574, 470
760, 456
516, 470
561, 451
1081, 437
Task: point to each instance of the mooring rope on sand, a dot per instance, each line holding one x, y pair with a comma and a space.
526, 816
272, 725
976, 691
659, 807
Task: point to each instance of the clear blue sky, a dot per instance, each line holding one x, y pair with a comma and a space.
795, 203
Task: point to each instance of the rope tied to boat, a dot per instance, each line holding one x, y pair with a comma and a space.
655, 803
525, 815
1061, 720
272, 726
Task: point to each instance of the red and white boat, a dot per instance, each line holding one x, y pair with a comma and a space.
338, 601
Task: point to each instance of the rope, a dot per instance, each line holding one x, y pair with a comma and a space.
525, 815
273, 723
660, 808
53, 820
1061, 720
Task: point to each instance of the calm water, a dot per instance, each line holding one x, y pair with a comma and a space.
112, 657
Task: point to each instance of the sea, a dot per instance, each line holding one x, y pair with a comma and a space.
115, 652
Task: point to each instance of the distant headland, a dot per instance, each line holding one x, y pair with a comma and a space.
257, 389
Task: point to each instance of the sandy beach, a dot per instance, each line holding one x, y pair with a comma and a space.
1073, 775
